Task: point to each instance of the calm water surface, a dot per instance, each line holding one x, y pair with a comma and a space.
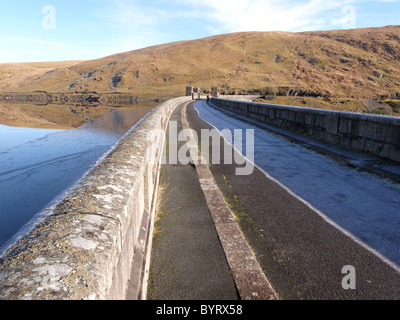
36, 165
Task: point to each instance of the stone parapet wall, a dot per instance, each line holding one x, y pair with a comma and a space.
93, 241
375, 134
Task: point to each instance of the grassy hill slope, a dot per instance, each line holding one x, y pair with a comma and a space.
353, 64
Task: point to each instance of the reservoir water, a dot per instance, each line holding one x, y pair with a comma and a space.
36, 165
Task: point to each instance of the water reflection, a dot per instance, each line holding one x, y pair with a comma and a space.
36, 164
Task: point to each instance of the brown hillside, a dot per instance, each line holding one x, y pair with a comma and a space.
354, 64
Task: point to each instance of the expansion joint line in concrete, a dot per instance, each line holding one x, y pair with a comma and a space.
251, 282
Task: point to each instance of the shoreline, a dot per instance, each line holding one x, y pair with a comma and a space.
62, 117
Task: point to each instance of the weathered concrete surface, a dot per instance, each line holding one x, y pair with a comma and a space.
84, 246
188, 261
375, 134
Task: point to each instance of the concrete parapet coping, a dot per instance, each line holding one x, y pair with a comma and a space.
85, 244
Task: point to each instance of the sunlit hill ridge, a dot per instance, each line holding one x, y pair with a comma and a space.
356, 69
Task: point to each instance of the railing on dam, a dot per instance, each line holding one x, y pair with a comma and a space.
375, 134
93, 242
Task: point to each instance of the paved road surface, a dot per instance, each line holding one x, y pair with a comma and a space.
307, 217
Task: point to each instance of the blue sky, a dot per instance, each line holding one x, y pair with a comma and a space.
54, 30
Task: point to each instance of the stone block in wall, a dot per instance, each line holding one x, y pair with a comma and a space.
358, 143
344, 139
320, 121
245, 109
271, 114
344, 126
300, 117
394, 154
331, 124
373, 146
264, 110
385, 133
366, 129
290, 115
319, 133
278, 113
354, 128
284, 115
332, 138
385, 151
251, 109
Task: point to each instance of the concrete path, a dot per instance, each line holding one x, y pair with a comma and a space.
302, 229
188, 262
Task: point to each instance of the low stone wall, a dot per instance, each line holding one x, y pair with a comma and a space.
93, 242
379, 135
